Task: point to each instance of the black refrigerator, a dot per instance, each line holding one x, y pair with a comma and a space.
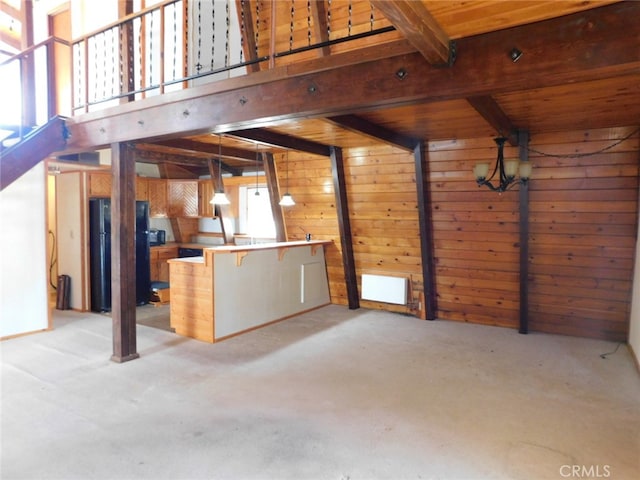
100, 253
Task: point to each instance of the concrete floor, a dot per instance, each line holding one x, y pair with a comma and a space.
332, 394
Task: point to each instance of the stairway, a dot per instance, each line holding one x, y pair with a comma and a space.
32, 149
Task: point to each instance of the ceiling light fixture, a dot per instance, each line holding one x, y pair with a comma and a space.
219, 198
287, 199
507, 171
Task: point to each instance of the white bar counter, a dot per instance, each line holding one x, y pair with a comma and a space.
236, 288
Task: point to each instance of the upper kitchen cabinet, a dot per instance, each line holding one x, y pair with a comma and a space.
157, 192
100, 186
205, 194
182, 198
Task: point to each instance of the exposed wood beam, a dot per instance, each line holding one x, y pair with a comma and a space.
523, 142
489, 109
281, 140
151, 156
123, 265
344, 225
274, 196
11, 11
427, 249
245, 14
210, 148
10, 38
607, 50
319, 14
415, 22
365, 127
223, 212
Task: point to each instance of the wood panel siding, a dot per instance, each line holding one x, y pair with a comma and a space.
475, 236
583, 232
310, 183
383, 207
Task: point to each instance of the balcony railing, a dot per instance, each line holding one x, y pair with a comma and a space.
178, 43
29, 86
174, 45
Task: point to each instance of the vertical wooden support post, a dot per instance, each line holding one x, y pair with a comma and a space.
27, 65
222, 211
269, 166
123, 264
523, 145
125, 7
426, 230
337, 166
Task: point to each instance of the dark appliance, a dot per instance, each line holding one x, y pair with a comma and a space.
189, 252
100, 253
157, 237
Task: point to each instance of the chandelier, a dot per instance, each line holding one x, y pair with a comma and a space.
506, 171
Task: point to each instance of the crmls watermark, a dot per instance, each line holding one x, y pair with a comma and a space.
585, 471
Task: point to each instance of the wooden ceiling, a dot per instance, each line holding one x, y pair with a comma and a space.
550, 101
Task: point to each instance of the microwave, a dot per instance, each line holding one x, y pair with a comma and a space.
157, 237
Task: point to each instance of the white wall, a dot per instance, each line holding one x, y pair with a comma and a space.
72, 248
634, 327
23, 260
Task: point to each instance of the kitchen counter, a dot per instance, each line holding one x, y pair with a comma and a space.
232, 289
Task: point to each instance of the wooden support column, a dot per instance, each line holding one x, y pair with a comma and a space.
223, 212
337, 166
426, 230
523, 143
274, 196
123, 265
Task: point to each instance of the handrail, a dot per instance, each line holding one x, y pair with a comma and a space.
32, 48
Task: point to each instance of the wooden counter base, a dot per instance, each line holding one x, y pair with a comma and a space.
235, 289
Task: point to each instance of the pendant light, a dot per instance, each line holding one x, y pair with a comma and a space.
219, 198
287, 199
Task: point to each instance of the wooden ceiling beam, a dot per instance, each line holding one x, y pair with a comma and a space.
412, 19
598, 41
377, 132
11, 11
210, 148
152, 156
283, 141
489, 109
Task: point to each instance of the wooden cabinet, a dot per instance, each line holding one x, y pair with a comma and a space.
157, 193
205, 194
159, 265
182, 198
142, 189
100, 186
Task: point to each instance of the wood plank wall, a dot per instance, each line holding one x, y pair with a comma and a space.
311, 186
583, 217
475, 236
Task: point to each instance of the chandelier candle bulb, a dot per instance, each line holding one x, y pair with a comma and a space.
525, 170
481, 170
511, 168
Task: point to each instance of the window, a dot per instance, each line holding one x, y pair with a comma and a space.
256, 218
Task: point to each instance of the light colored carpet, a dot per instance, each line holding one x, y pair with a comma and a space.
332, 394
